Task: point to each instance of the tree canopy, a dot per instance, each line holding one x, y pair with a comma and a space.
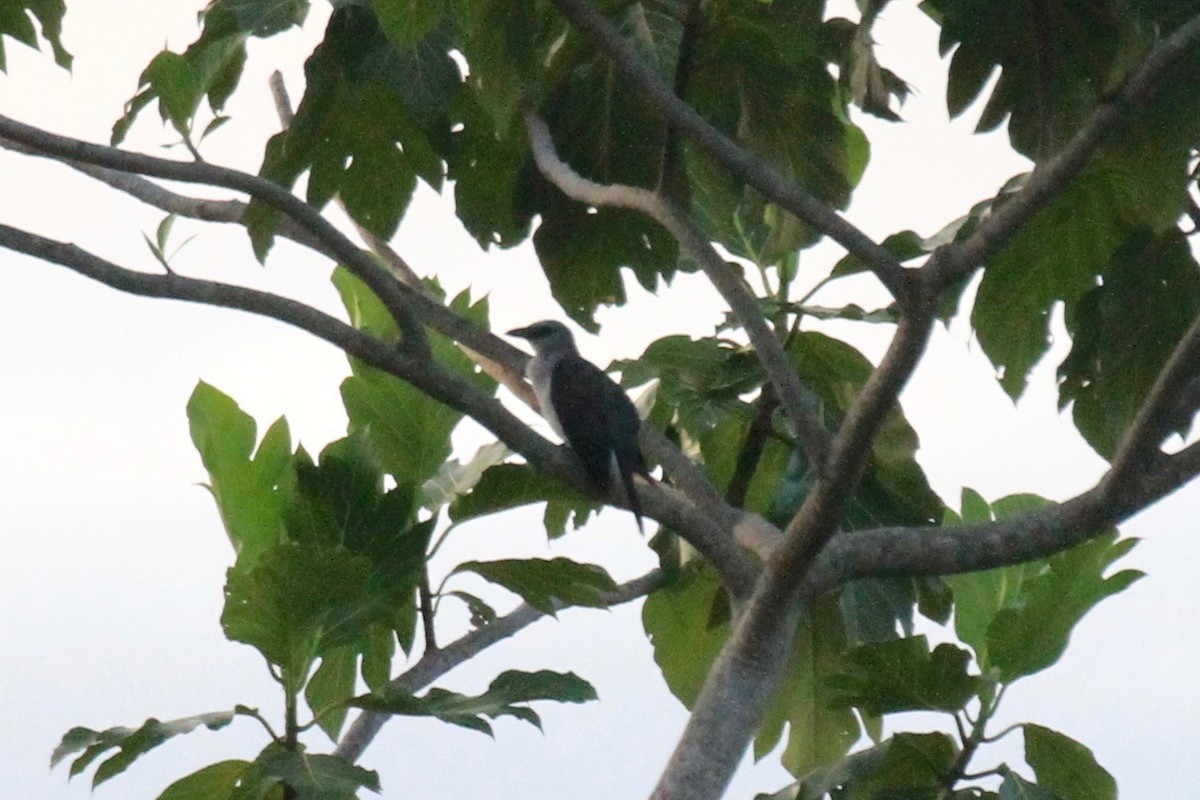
811, 586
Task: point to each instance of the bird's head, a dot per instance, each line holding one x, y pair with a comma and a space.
546, 335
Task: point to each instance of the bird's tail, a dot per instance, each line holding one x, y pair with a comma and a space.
626, 467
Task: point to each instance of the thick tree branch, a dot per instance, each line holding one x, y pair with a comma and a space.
958, 260
892, 552
437, 663
743, 164
795, 398
702, 529
742, 679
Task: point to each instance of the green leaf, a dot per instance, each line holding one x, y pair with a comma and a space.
1059, 255
761, 73
15, 22
312, 777
987, 36
980, 596
506, 486
546, 584
378, 649
904, 246
407, 22
508, 695
872, 608
330, 687
481, 613
214, 782
819, 731
1065, 767
1124, 330
409, 431
130, 743
212, 65
894, 488
367, 125
908, 765
341, 502
301, 600
251, 492
903, 675
171, 78
676, 619
1030, 635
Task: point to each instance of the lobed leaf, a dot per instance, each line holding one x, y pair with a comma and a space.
508, 695
1065, 767
130, 743
904, 675
547, 584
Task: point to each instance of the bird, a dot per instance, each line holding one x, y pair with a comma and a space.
587, 409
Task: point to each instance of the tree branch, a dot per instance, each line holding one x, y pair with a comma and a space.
398, 301
743, 164
796, 399
496, 356
958, 260
702, 529
741, 681
437, 663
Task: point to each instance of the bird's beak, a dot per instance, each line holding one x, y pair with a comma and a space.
522, 332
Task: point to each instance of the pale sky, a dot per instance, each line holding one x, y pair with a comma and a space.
115, 557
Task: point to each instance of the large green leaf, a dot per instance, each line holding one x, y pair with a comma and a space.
251, 491
1137, 184
1065, 767
16, 22
1018, 619
685, 633
312, 777
508, 695
409, 430
761, 73
1032, 634
302, 600
212, 65
1124, 330
904, 675
820, 731
130, 743
342, 502
907, 765
979, 596
545, 584
1048, 83
365, 128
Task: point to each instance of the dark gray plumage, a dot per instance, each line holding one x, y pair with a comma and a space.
586, 408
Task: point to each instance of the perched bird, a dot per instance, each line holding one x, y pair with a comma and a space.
586, 408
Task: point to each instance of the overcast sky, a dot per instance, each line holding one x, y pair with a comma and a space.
114, 558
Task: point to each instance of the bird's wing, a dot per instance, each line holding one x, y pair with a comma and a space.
600, 425
578, 392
